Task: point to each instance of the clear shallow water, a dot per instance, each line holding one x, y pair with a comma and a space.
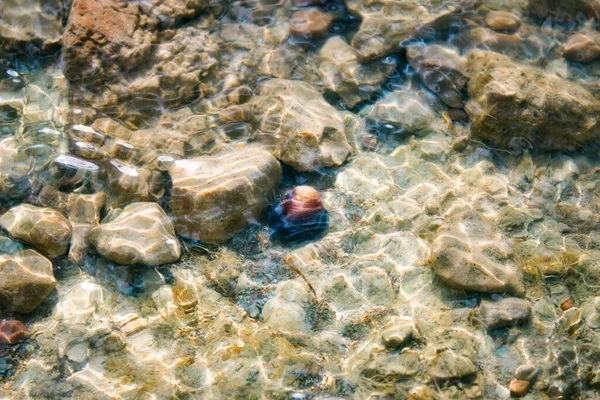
425, 200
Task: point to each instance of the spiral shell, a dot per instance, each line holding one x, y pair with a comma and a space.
299, 216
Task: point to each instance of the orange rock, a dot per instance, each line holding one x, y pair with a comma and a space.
518, 388
12, 332
310, 23
567, 304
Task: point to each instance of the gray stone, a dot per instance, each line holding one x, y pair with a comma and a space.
450, 365
506, 312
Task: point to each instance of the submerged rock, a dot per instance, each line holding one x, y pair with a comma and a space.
506, 312
299, 216
310, 23
518, 105
450, 365
305, 131
461, 267
442, 71
563, 10
26, 279
140, 234
583, 47
12, 331
14, 170
84, 214
215, 197
343, 74
502, 21
44, 228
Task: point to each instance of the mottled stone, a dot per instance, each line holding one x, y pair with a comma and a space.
310, 23
26, 279
442, 71
140, 234
450, 365
169, 13
84, 214
12, 331
215, 197
502, 21
343, 74
506, 312
104, 38
305, 131
393, 366
387, 24
31, 25
583, 47
44, 228
518, 105
461, 267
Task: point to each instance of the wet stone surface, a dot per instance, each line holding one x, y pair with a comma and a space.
307, 199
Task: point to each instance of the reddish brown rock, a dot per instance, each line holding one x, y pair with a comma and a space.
310, 23
518, 388
12, 331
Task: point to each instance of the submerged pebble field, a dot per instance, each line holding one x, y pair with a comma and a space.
299, 199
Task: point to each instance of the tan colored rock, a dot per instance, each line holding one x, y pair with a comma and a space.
310, 23
506, 312
502, 21
84, 216
517, 105
215, 197
140, 234
44, 228
450, 365
387, 24
462, 267
31, 24
442, 71
305, 131
583, 47
26, 279
342, 73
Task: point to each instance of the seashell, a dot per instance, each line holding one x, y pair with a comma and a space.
299, 216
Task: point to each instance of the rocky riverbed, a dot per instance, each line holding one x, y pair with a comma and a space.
299, 199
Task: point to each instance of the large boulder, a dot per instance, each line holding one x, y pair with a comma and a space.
26, 279
215, 197
515, 105
140, 234
306, 132
44, 228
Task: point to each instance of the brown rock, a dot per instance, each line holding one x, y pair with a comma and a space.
26, 279
12, 331
567, 304
310, 23
442, 71
518, 388
562, 10
44, 228
215, 197
140, 234
583, 47
104, 38
518, 105
502, 21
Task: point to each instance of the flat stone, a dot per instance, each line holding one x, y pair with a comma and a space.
215, 197
506, 312
26, 279
310, 23
460, 267
44, 228
140, 234
12, 331
449, 365
304, 130
342, 73
442, 71
518, 105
